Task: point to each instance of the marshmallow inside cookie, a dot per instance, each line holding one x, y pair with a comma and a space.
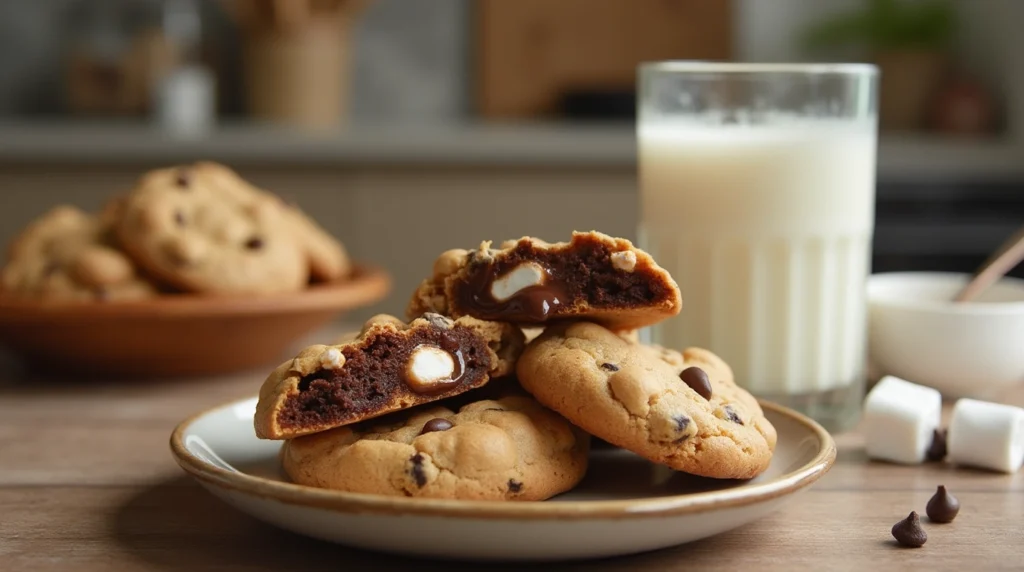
900, 418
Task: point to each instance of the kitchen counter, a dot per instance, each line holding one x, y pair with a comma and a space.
87, 483
471, 144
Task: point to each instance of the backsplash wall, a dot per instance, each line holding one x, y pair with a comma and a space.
409, 56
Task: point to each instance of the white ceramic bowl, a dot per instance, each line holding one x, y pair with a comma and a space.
973, 349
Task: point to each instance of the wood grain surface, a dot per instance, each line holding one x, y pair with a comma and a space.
87, 483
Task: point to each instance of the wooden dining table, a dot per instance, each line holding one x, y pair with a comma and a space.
87, 483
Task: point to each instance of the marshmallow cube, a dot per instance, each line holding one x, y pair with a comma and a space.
987, 435
900, 419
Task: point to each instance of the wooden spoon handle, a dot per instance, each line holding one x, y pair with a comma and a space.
1009, 255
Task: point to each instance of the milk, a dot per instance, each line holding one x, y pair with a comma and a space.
767, 230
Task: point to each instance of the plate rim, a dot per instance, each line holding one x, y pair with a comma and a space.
364, 503
366, 284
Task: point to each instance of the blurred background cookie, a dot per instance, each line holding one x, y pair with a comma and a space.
199, 230
66, 255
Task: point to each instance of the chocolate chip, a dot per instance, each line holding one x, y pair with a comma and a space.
942, 507
417, 469
514, 486
254, 243
698, 381
436, 424
908, 531
682, 422
937, 450
610, 367
731, 415
183, 178
179, 218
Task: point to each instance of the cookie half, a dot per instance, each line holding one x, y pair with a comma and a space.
683, 410
506, 449
528, 281
390, 366
67, 254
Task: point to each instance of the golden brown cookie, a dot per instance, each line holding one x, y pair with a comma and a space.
328, 259
67, 254
507, 449
189, 228
681, 410
390, 366
593, 276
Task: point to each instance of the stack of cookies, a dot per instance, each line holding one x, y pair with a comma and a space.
512, 358
198, 229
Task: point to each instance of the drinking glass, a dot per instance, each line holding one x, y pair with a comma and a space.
757, 193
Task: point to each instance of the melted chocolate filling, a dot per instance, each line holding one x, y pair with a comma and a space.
582, 274
373, 375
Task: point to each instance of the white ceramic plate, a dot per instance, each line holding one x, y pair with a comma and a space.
624, 505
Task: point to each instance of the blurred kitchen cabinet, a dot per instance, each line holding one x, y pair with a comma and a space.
529, 53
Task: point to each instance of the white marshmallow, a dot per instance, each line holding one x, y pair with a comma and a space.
624, 260
899, 419
429, 367
986, 435
519, 278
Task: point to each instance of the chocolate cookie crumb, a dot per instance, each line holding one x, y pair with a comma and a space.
942, 507
908, 532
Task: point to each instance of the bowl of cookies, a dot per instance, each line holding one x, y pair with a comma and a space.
509, 413
193, 271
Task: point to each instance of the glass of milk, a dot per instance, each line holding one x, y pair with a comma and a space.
757, 193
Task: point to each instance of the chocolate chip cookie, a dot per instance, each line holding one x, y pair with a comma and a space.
68, 254
681, 410
528, 281
390, 366
328, 259
506, 449
189, 228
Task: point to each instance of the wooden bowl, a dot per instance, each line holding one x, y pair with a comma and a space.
177, 335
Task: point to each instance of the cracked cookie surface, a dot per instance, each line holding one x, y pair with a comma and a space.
510, 448
648, 400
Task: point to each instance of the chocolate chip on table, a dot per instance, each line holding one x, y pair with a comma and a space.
514, 486
254, 243
908, 532
417, 469
436, 424
609, 367
698, 381
942, 507
937, 450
